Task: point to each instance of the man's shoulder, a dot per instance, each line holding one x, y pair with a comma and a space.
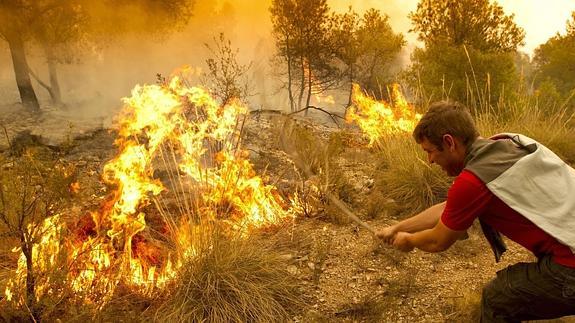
467, 185
467, 177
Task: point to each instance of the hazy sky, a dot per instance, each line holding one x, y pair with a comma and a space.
247, 23
541, 19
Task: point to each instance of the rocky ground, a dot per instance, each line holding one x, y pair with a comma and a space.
346, 274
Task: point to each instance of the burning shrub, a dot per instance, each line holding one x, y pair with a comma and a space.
148, 227
380, 119
32, 192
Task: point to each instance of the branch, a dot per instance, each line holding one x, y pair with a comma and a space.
332, 115
301, 164
44, 85
7, 137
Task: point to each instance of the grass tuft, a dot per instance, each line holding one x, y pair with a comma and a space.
407, 178
233, 281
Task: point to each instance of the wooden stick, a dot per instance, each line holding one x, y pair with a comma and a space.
307, 171
348, 212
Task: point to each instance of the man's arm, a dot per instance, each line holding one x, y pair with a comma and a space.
422, 221
437, 239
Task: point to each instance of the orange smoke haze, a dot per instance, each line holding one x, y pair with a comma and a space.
106, 75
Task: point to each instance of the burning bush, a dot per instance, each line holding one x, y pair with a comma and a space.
150, 226
33, 189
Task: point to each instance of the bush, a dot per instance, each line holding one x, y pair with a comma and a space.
407, 177
233, 281
549, 127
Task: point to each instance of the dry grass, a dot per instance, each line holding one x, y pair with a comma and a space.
406, 177
317, 161
370, 309
464, 307
553, 129
233, 281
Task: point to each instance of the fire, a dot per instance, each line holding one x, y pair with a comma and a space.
316, 89
75, 187
379, 118
151, 224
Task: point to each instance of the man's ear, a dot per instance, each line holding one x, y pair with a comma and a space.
449, 142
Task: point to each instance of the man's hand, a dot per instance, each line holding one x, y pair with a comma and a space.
401, 242
387, 234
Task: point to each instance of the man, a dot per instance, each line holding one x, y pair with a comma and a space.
512, 185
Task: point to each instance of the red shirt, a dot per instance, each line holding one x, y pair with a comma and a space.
469, 198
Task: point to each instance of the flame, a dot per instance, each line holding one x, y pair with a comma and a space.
185, 133
75, 187
379, 118
316, 90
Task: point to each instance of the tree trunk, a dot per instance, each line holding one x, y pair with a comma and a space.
302, 84
351, 76
27, 94
30, 277
55, 93
289, 62
309, 88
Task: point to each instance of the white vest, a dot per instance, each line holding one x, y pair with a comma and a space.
538, 185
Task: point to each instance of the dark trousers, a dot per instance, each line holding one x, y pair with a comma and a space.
529, 291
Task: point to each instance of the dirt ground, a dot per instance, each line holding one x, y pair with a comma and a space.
347, 276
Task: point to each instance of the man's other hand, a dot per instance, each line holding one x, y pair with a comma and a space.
401, 242
387, 234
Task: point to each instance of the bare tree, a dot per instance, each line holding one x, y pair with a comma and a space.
300, 31
226, 79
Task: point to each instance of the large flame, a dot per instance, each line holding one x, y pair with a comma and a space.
379, 118
184, 134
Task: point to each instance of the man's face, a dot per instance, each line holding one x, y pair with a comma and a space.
450, 158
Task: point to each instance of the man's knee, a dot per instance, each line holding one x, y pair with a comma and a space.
498, 302
489, 301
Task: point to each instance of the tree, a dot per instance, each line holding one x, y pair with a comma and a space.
469, 50
463, 74
379, 47
476, 23
555, 61
15, 16
61, 27
284, 35
60, 33
300, 32
226, 78
347, 45
366, 46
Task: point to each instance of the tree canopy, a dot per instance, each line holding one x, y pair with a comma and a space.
470, 50
477, 23
366, 46
555, 60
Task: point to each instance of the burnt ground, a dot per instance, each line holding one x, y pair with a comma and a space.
346, 275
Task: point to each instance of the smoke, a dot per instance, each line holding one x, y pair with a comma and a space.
104, 75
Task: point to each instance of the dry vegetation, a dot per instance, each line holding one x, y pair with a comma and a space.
320, 267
